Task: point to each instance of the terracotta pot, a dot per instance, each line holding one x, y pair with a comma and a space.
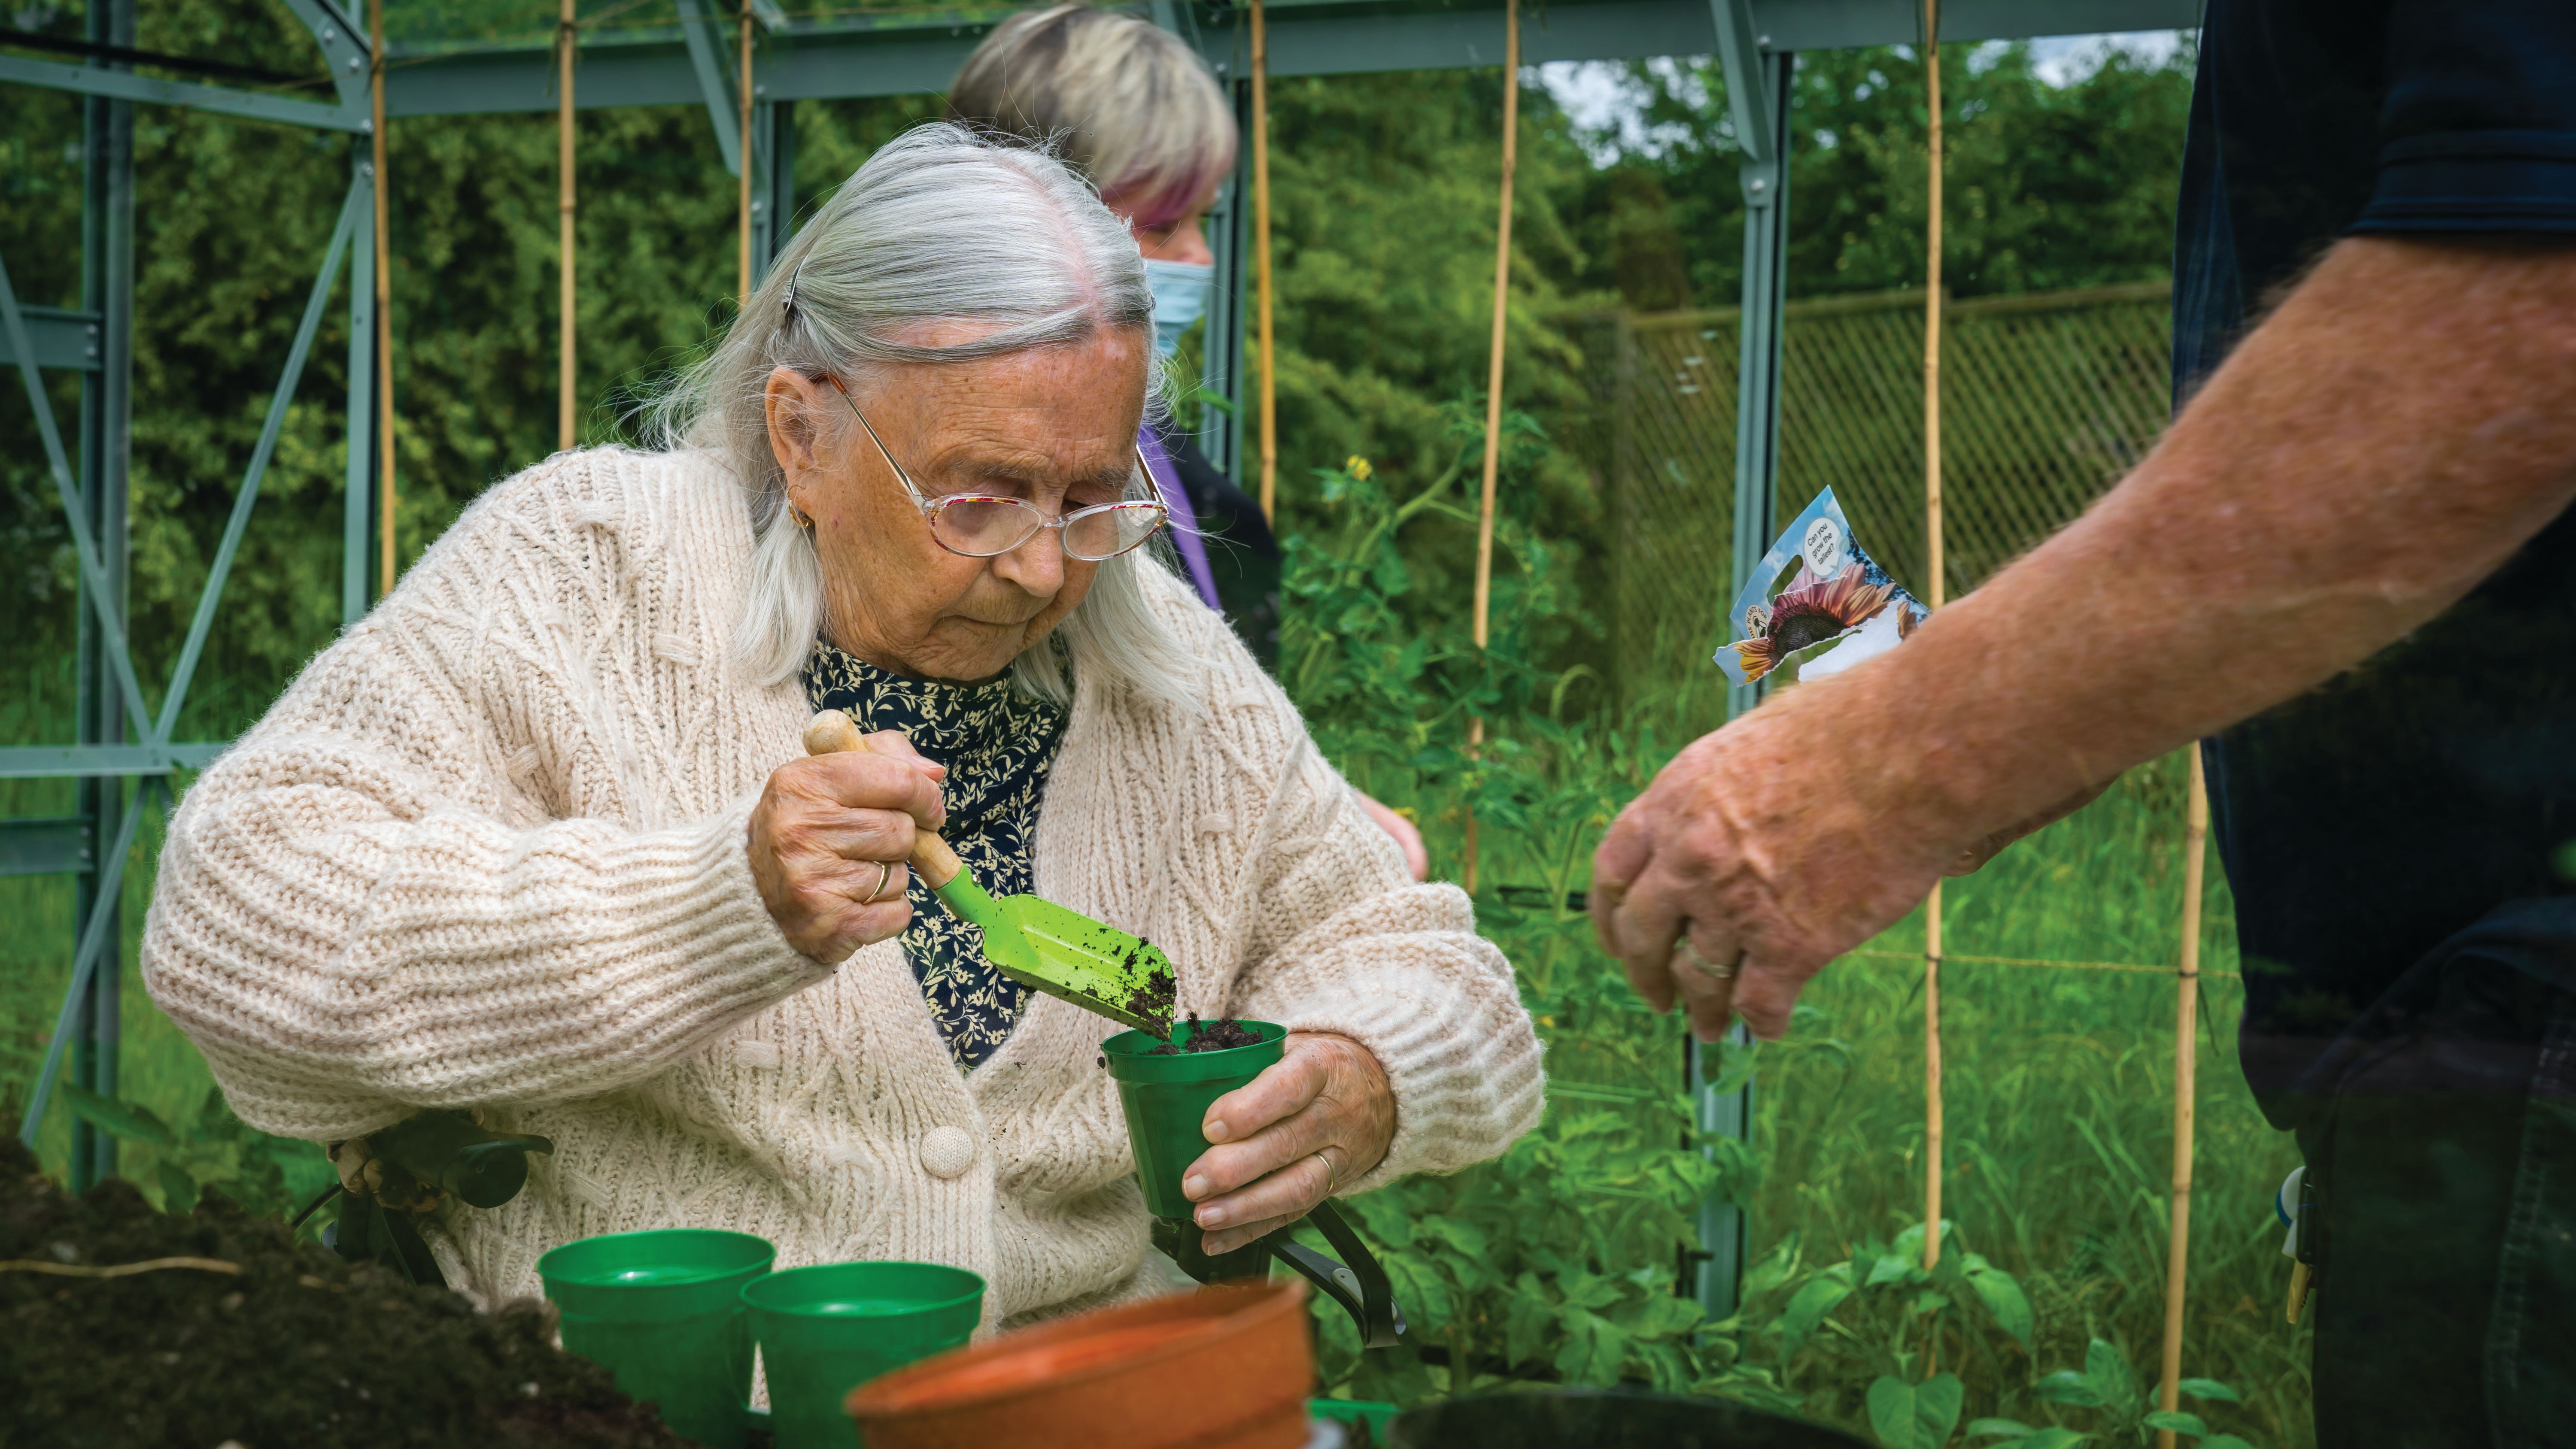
1221, 1368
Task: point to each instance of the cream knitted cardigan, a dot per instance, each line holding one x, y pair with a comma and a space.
488, 851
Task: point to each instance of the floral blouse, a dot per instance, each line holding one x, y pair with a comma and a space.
998, 744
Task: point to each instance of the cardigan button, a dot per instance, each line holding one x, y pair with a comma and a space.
947, 1152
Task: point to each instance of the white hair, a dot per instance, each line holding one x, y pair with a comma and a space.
940, 225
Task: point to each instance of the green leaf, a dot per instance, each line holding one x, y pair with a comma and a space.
1915, 1416
1774, 1269
116, 1118
2002, 1295
2209, 1389
1529, 1321
2022, 1436
178, 1189
2108, 1373
2178, 1422
1892, 1269
1595, 1349
2066, 1386
1808, 1306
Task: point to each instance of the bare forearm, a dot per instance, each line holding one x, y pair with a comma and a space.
2388, 438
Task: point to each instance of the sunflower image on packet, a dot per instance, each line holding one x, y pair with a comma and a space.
1818, 605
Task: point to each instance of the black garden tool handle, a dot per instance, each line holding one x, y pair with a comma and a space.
1360, 1286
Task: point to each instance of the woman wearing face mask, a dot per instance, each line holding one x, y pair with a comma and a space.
1132, 108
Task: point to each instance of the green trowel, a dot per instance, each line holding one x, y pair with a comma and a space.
1037, 943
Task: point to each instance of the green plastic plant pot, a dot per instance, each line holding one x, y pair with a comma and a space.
663, 1311
825, 1330
1167, 1099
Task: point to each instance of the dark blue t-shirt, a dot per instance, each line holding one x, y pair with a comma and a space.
2375, 817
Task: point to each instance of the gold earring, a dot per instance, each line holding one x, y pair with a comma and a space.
798, 516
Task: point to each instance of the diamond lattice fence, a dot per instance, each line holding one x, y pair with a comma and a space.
2047, 399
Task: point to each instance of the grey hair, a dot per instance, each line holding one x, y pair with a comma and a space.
939, 225
1127, 104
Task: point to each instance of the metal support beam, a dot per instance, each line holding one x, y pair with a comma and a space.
1760, 100
909, 54
107, 691
358, 490
121, 85
47, 845
247, 497
97, 936
773, 190
710, 50
1229, 228
60, 339
59, 762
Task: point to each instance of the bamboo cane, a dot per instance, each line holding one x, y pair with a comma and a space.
385, 493
564, 41
1502, 295
1261, 256
1494, 387
744, 272
2195, 834
1932, 544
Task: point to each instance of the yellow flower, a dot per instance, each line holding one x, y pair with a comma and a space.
1358, 467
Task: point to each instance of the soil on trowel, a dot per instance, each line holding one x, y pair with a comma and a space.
296, 1348
1211, 1036
1154, 1000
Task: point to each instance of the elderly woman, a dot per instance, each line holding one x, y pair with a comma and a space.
1137, 113
536, 838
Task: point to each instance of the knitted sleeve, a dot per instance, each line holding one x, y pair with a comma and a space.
359, 914
1345, 941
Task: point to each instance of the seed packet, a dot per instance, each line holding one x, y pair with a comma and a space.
1835, 607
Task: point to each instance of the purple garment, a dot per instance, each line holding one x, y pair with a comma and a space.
1185, 523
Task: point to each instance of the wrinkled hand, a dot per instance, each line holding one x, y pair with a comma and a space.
1755, 853
823, 826
1318, 1119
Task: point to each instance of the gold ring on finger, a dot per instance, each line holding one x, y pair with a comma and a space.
885, 874
1703, 965
1332, 1179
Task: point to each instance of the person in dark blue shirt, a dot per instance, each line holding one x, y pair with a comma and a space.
2352, 565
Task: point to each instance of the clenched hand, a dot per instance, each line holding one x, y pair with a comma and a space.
828, 839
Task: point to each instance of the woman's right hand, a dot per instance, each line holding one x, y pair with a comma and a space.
823, 827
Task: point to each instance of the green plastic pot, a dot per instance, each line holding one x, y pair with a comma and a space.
825, 1330
1167, 1099
663, 1311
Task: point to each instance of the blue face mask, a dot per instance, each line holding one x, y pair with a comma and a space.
1181, 292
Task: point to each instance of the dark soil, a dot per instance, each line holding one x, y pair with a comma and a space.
297, 1349
1211, 1036
1154, 1000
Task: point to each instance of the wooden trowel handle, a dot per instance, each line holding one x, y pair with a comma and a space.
834, 733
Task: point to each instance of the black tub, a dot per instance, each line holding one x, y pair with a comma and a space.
1605, 1419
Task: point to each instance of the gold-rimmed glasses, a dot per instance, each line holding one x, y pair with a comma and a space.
983, 525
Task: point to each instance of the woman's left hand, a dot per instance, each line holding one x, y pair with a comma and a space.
1319, 1118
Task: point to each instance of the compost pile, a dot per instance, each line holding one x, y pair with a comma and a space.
296, 1349
1210, 1036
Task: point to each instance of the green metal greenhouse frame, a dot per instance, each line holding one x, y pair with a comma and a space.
909, 50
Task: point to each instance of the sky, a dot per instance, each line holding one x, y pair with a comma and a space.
1599, 98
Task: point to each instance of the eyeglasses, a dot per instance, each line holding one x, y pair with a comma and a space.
983, 525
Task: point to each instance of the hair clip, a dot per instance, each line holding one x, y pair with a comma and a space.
787, 304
